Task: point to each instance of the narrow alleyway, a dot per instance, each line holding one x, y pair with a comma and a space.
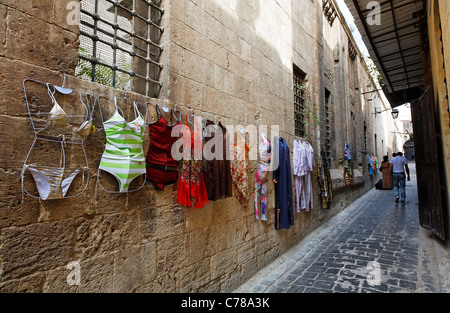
374, 245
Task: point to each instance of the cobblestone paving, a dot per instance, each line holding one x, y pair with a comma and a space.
372, 246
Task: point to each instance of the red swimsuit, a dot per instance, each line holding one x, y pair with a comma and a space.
162, 169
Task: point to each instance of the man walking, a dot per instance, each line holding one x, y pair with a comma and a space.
399, 166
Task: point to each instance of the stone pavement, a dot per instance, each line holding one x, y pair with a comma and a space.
373, 245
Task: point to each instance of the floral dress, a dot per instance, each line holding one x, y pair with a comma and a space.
192, 189
239, 171
265, 151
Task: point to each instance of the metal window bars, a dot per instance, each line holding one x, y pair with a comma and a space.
299, 103
119, 44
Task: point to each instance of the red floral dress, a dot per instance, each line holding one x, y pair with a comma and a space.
191, 188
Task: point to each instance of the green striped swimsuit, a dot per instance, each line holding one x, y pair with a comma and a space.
124, 156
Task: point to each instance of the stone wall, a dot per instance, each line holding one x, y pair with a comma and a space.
226, 60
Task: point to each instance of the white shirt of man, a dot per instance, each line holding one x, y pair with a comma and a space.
398, 164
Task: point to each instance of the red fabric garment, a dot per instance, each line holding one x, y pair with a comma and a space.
161, 166
191, 187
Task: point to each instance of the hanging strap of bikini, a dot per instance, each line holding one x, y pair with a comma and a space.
158, 111
136, 111
50, 93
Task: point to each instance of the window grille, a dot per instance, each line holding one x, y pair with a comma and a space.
299, 102
329, 10
119, 44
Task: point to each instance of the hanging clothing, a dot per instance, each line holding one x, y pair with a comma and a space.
58, 118
375, 164
191, 187
347, 152
50, 181
324, 177
310, 165
265, 151
217, 170
124, 156
239, 169
162, 169
303, 163
370, 164
282, 177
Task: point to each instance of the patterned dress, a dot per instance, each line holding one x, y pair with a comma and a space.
191, 189
239, 171
262, 170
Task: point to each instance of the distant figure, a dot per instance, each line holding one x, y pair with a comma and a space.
399, 166
386, 169
394, 155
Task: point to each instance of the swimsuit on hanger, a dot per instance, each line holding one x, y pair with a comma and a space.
162, 169
124, 156
50, 181
58, 118
192, 190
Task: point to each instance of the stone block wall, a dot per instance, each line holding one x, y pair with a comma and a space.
226, 60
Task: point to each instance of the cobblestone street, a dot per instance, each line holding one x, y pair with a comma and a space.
374, 245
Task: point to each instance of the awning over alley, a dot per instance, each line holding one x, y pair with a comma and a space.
391, 31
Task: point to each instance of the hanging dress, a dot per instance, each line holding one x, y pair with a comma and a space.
239, 170
303, 163
162, 169
191, 188
282, 177
265, 150
217, 168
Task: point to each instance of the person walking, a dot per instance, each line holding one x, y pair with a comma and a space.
399, 167
386, 169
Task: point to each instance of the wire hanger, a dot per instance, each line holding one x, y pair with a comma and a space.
60, 139
190, 116
125, 98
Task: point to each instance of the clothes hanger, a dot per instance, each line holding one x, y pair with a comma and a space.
190, 116
172, 114
61, 139
125, 99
